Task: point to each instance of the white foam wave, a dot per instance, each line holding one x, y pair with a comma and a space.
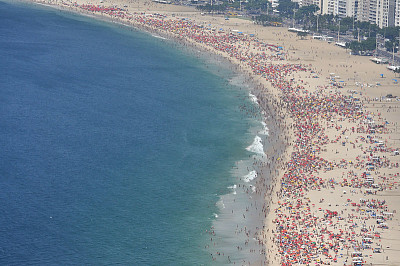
265, 130
253, 188
250, 176
159, 37
233, 188
215, 215
256, 146
253, 98
221, 203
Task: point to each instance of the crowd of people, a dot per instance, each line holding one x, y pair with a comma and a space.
314, 122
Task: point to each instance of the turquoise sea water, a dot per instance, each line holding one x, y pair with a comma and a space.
115, 146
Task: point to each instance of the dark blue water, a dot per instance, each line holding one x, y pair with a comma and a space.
114, 145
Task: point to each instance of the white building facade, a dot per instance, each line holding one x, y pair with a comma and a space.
384, 13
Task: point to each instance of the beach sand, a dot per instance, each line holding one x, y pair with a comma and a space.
334, 193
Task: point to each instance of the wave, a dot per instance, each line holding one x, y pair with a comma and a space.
250, 176
159, 37
256, 146
265, 130
233, 188
253, 98
221, 204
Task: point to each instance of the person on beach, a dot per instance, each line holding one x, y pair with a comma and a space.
315, 121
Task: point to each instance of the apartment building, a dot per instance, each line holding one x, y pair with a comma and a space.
397, 13
384, 13
379, 12
341, 8
311, 2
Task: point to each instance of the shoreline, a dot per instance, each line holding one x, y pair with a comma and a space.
318, 129
255, 87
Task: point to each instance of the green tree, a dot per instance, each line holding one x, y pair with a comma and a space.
346, 24
212, 8
366, 29
367, 45
390, 33
306, 11
260, 5
266, 20
286, 8
302, 34
305, 15
390, 45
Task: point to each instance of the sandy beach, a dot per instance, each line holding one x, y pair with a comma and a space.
333, 197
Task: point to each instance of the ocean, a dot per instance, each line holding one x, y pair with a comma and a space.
117, 147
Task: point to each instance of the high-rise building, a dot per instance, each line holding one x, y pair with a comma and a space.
384, 13
341, 8
379, 12
311, 2
397, 13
